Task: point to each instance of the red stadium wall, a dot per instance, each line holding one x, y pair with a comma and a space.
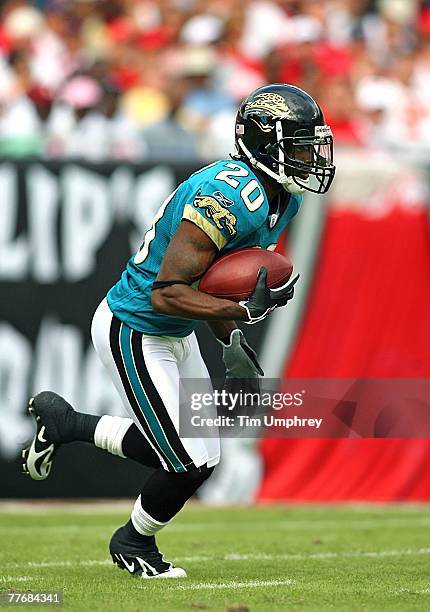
368, 315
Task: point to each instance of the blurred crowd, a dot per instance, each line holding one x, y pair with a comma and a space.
140, 79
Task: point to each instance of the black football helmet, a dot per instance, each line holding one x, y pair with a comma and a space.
281, 130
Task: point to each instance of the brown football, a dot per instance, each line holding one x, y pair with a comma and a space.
233, 276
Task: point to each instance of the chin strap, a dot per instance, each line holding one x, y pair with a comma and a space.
287, 182
289, 185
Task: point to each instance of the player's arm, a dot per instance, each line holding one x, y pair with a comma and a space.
188, 256
222, 329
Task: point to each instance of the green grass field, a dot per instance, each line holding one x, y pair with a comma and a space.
262, 558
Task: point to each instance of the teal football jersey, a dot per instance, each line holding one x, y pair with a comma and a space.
228, 202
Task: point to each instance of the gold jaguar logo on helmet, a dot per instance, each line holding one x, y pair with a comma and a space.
215, 211
272, 103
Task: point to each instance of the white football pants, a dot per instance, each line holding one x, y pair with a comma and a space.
146, 371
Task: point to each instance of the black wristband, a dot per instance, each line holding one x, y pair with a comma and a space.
162, 284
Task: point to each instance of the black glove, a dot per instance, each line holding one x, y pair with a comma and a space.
263, 300
242, 370
239, 358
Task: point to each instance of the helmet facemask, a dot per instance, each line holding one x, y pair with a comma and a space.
293, 160
303, 156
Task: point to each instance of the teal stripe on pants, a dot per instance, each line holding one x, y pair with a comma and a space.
147, 409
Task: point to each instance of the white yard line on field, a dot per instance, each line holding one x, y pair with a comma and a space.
407, 552
326, 555
406, 522
233, 584
396, 523
65, 563
15, 578
409, 591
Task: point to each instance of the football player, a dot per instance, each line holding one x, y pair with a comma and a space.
143, 331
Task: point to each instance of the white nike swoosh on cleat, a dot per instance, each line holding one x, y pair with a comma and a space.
147, 566
173, 572
45, 467
129, 567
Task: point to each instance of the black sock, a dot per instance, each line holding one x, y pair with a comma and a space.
134, 536
164, 493
136, 446
83, 427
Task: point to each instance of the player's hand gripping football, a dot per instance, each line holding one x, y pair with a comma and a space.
263, 300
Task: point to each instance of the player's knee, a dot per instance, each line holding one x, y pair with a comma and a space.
206, 472
194, 478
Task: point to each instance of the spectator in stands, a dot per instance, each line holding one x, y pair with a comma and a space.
178, 67
20, 126
168, 138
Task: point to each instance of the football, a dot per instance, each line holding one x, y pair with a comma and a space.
233, 276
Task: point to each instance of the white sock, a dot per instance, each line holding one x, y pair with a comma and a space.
143, 523
110, 432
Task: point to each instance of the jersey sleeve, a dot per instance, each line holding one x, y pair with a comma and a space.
220, 212
296, 202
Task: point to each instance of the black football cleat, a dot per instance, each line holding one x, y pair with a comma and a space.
54, 418
144, 561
